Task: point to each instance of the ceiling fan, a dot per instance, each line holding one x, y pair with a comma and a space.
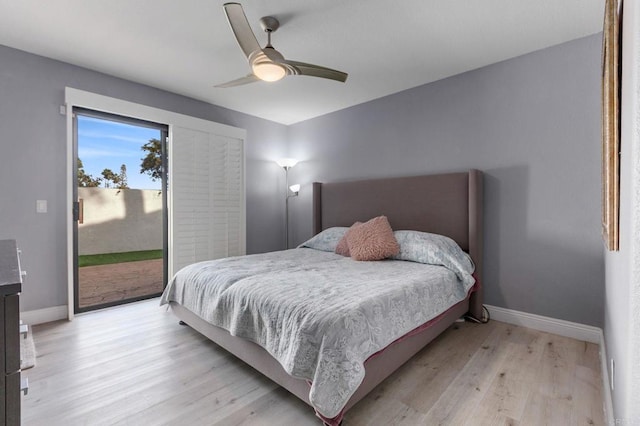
267, 63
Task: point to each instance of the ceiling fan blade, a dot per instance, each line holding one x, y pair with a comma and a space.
239, 81
301, 68
241, 28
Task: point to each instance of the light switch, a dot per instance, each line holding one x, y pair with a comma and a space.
41, 206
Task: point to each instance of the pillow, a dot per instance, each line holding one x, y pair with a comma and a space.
343, 246
326, 240
434, 249
372, 240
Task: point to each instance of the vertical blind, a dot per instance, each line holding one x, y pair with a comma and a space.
207, 197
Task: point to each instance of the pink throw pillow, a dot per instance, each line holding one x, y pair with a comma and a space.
343, 246
372, 240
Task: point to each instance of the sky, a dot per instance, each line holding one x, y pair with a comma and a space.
104, 144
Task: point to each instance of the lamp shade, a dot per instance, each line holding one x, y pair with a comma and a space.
268, 71
286, 163
295, 188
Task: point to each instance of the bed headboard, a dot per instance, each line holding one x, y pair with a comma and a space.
448, 204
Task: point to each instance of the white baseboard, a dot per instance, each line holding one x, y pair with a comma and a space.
606, 387
567, 329
560, 327
40, 316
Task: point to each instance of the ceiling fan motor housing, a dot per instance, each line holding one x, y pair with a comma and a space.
269, 24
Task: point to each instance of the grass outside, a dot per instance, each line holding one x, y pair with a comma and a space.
108, 258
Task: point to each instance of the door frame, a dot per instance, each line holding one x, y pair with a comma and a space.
93, 101
164, 136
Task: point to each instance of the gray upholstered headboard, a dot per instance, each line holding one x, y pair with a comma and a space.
448, 204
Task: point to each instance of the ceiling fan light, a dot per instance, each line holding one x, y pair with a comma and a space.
268, 71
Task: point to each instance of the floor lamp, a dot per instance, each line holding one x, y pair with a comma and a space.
286, 164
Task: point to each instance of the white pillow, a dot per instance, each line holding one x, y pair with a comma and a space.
326, 240
434, 249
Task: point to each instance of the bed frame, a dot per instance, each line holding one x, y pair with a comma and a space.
448, 204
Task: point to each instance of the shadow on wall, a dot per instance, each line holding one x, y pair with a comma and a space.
504, 189
120, 220
530, 260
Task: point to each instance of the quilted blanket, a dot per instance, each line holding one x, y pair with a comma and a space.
321, 315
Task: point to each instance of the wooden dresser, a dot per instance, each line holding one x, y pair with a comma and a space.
10, 287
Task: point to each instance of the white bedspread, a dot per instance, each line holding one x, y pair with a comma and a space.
319, 314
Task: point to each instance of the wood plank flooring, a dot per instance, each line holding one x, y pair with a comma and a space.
134, 365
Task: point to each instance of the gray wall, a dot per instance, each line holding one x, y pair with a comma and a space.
33, 146
532, 124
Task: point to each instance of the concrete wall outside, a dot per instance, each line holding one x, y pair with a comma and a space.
119, 220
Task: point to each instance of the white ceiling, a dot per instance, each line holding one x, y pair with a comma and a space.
386, 46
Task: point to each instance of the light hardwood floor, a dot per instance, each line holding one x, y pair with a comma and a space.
134, 365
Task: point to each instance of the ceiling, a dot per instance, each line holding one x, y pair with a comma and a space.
386, 46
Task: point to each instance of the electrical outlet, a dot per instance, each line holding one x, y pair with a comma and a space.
612, 373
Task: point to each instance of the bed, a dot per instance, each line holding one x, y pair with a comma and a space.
442, 205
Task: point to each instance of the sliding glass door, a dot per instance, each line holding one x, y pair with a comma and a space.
120, 209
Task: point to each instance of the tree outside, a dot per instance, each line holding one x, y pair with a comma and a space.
151, 164
86, 180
